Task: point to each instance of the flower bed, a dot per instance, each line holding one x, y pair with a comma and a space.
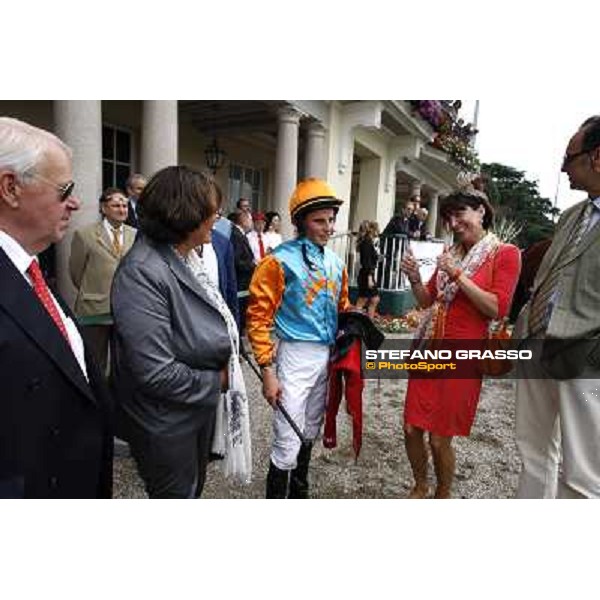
405, 324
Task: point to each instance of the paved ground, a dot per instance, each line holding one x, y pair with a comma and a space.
487, 462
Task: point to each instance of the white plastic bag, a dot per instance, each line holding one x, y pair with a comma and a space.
231, 437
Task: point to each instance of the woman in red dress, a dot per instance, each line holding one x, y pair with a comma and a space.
473, 284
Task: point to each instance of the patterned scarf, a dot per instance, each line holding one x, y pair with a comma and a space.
433, 323
233, 417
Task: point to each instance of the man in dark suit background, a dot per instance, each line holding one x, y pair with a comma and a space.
134, 187
243, 260
55, 432
227, 281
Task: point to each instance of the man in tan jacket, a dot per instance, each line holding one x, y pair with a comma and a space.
561, 391
95, 253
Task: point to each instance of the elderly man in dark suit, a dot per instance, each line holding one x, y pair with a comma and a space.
134, 187
560, 391
55, 436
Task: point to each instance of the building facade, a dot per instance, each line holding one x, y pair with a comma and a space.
376, 153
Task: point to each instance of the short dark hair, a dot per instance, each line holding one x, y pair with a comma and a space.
591, 135
108, 193
239, 202
460, 200
237, 216
269, 216
175, 202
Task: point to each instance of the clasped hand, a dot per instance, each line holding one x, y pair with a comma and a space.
447, 262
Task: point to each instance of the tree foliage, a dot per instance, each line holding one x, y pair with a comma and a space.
517, 199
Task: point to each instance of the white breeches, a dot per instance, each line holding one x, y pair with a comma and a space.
302, 370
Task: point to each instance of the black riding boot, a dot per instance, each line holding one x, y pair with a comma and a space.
277, 482
299, 478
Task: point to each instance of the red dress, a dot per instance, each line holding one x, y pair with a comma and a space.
447, 406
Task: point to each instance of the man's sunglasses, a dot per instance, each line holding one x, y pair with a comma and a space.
65, 190
569, 158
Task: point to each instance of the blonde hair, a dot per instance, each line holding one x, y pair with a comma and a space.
368, 230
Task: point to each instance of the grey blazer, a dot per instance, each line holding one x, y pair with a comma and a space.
170, 345
574, 327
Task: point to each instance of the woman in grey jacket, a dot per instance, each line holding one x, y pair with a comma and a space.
173, 336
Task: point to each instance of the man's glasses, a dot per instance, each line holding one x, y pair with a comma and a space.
569, 158
65, 190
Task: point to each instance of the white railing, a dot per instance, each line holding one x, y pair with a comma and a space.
344, 245
392, 249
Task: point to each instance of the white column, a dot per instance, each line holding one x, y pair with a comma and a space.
159, 135
415, 189
432, 215
370, 181
314, 158
79, 124
286, 165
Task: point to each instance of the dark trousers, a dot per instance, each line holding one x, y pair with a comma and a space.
171, 466
243, 307
98, 338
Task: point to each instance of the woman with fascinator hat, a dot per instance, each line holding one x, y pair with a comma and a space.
473, 284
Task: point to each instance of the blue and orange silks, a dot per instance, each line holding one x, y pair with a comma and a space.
299, 288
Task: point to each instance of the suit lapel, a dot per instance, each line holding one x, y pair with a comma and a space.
183, 274
103, 238
589, 237
558, 250
128, 238
19, 301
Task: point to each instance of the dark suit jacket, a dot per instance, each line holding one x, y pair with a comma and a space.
132, 219
227, 279
244, 258
55, 427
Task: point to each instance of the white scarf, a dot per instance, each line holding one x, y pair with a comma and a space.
232, 427
447, 290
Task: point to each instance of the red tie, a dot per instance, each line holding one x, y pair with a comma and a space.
43, 293
261, 246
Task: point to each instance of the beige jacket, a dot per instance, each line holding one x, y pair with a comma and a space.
577, 313
92, 266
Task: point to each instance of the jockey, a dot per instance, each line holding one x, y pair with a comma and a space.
296, 293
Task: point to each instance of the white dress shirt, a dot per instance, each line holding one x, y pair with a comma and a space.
271, 240
255, 246
21, 260
109, 229
209, 258
595, 216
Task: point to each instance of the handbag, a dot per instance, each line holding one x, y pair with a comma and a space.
499, 338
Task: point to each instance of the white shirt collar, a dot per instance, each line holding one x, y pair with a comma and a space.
109, 228
17, 254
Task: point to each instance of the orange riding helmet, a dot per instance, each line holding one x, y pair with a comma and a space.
312, 194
